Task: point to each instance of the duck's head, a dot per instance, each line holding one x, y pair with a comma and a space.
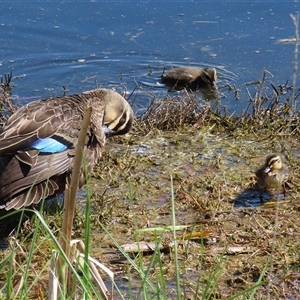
209, 76
118, 115
273, 162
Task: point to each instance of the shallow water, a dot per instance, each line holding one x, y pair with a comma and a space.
124, 44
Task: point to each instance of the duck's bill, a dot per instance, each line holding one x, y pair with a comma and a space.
214, 86
107, 131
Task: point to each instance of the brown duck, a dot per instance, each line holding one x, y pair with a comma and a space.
271, 176
190, 78
37, 145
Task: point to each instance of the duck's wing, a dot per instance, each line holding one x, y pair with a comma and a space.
22, 185
37, 120
34, 195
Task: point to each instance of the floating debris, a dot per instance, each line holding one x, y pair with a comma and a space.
287, 41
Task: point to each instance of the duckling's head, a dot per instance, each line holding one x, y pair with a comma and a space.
273, 162
209, 77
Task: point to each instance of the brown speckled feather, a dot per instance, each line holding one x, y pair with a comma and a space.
27, 174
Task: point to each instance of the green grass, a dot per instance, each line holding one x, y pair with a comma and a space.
154, 280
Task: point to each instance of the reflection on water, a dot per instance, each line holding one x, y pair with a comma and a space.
80, 45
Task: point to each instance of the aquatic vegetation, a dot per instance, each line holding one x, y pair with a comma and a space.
7, 106
185, 163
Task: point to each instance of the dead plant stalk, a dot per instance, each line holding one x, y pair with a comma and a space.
295, 68
70, 201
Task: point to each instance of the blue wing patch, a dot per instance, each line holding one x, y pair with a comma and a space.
48, 145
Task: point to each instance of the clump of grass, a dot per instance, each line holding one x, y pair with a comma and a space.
7, 106
173, 112
270, 106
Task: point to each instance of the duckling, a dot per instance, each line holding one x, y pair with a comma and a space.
271, 176
190, 78
38, 142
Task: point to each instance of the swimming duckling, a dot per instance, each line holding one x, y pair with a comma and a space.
190, 78
38, 142
271, 176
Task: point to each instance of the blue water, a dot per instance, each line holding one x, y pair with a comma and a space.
82, 45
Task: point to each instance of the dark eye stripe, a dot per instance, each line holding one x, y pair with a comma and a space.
273, 161
119, 128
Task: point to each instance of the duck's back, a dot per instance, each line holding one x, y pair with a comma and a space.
190, 78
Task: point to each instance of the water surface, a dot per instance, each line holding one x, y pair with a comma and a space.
125, 44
